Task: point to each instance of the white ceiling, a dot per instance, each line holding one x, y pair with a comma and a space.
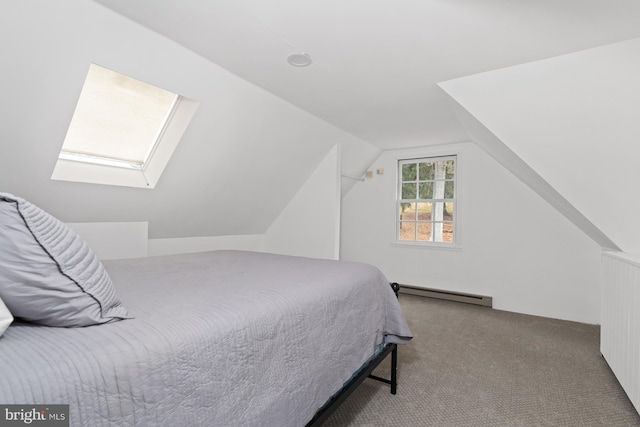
376, 63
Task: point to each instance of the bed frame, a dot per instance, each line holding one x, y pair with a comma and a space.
324, 412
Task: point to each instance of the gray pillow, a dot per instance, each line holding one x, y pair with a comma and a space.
48, 274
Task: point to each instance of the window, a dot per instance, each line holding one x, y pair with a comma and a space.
426, 203
123, 131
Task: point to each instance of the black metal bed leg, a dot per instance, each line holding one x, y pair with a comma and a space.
394, 352
393, 381
389, 348
394, 369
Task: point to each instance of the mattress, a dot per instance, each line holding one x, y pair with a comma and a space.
222, 338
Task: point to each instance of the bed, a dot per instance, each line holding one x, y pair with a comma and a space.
205, 339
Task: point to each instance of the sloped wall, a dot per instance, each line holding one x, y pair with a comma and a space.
572, 119
244, 156
514, 246
310, 224
110, 240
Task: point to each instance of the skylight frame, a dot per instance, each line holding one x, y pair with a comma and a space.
81, 167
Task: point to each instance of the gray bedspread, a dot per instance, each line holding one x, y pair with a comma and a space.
220, 338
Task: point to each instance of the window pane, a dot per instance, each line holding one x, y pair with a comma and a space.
447, 232
408, 191
117, 117
426, 171
449, 190
447, 213
407, 230
424, 211
441, 169
408, 211
409, 172
426, 190
451, 166
424, 231
438, 232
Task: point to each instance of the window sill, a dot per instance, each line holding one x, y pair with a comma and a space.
436, 246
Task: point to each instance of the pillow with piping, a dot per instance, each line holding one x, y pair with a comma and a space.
48, 274
5, 318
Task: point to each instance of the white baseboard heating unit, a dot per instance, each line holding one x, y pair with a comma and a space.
447, 295
620, 321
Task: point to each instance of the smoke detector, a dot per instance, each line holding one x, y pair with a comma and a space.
299, 59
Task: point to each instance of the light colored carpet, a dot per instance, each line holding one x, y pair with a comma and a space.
474, 366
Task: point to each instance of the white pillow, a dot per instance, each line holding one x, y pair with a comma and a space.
5, 318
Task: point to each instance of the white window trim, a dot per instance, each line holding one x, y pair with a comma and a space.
456, 245
106, 161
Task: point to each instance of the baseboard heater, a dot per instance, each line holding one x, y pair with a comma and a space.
447, 295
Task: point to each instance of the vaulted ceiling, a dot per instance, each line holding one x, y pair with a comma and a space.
376, 63
263, 126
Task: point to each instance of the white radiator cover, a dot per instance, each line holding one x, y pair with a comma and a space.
620, 320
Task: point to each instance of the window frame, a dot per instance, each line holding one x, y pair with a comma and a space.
455, 242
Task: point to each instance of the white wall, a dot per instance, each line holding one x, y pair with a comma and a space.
574, 120
118, 240
114, 240
251, 242
310, 224
513, 245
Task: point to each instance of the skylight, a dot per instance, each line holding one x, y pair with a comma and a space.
121, 122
